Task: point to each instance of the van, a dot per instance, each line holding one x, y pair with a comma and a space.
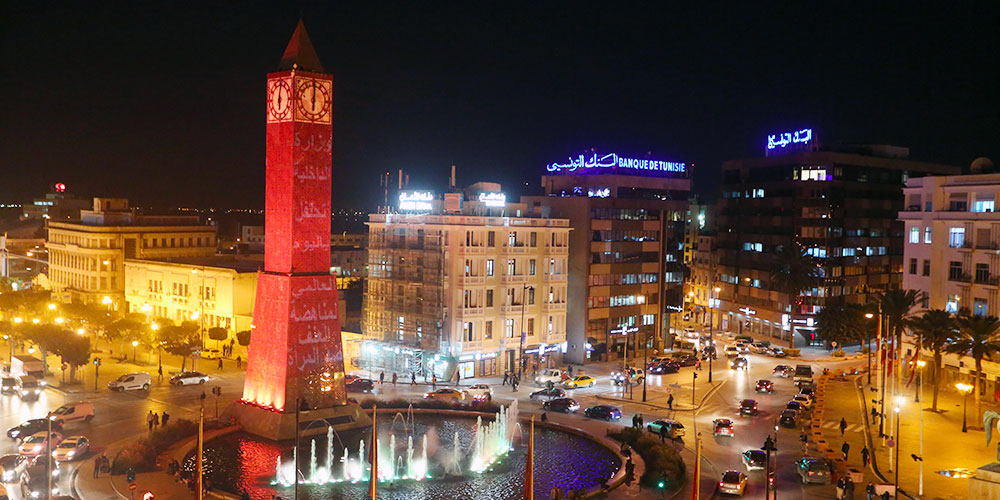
131, 381
28, 388
81, 411
803, 375
547, 375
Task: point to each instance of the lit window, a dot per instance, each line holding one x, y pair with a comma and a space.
927, 234
956, 237
915, 234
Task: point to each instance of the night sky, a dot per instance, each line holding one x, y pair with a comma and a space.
163, 102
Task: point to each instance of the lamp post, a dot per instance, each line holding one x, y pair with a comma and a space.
896, 479
135, 343
645, 364
524, 332
869, 316
711, 336
965, 389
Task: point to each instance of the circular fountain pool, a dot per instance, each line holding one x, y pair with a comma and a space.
242, 462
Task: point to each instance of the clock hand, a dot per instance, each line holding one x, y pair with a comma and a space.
314, 96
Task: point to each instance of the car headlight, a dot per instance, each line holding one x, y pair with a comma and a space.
70, 453
24, 392
38, 391
35, 494
38, 447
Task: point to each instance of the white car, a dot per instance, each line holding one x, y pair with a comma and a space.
71, 448
11, 467
35, 444
188, 378
480, 392
131, 381
690, 333
803, 400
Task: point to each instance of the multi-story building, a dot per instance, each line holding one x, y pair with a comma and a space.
701, 291
56, 205
838, 206
86, 256
626, 267
466, 283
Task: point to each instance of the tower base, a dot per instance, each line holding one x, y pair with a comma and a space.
279, 426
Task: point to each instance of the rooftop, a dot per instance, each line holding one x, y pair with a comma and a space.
240, 264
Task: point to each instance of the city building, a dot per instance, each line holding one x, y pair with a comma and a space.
466, 282
86, 256
625, 260
839, 206
56, 205
701, 297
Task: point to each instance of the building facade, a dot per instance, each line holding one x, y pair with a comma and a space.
840, 207
625, 259
56, 205
464, 285
702, 292
86, 256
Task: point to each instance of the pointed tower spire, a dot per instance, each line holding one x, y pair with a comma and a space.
300, 52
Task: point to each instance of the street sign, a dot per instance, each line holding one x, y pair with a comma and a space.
132, 486
890, 443
675, 386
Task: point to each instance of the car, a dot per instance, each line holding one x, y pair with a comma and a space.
783, 371
12, 466
71, 448
732, 351
603, 412
131, 381
563, 405
754, 460
664, 368
28, 388
34, 483
544, 377
38, 464
814, 470
722, 427
789, 418
79, 411
764, 385
37, 443
210, 354
733, 482
360, 385
803, 400
674, 428
480, 392
8, 385
794, 406
739, 363
633, 375
743, 347
32, 426
447, 394
708, 353
189, 378
761, 347
807, 391
690, 333
685, 359
580, 381
547, 394
777, 352
657, 360
748, 407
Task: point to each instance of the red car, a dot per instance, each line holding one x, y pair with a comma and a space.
764, 386
722, 427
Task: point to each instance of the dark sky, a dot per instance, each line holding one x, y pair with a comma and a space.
164, 102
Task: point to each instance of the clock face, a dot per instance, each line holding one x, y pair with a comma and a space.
314, 100
279, 100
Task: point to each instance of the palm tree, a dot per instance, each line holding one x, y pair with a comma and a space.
896, 306
840, 324
979, 337
795, 272
936, 329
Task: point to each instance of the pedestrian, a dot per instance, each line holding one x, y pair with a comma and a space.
545, 417
220, 363
870, 491
845, 448
381, 378
864, 456
458, 378
843, 426
165, 418
149, 420
840, 488
156, 421
886, 495
874, 414
849, 488
804, 438
629, 472
635, 421
105, 463
159, 373
697, 365
394, 379
515, 380
202, 398
663, 434
413, 378
670, 402
97, 467
506, 378
239, 366
640, 420
569, 368
434, 382
626, 449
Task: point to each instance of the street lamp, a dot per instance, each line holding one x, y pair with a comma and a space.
920, 379
965, 389
80, 331
896, 480
711, 335
524, 332
107, 301
869, 316
52, 307
135, 343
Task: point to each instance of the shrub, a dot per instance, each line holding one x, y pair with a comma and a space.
142, 454
663, 462
839, 353
793, 352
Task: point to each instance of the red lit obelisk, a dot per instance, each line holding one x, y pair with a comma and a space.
295, 353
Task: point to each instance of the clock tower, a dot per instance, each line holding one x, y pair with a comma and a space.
295, 358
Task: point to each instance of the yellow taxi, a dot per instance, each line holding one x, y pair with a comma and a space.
446, 394
580, 381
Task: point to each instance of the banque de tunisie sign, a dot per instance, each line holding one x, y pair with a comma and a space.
612, 163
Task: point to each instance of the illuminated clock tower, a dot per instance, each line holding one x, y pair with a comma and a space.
296, 356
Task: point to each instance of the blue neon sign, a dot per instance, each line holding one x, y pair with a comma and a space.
783, 140
610, 163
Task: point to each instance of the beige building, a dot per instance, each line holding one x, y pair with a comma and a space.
215, 291
86, 256
455, 284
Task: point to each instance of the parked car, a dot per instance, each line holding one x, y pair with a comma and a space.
189, 378
664, 368
674, 428
723, 427
210, 354
11, 467
764, 385
783, 371
794, 406
131, 381
563, 405
71, 448
28, 388
548, 394
748, 407
34, 483
360, 385
733, 482
603, 412
446, 394
32, 426
580, 381
80, 411
803, 400
807, 391
480, 392
789, 418
740, 363
8, 385
814, 470
732, 351
37, 443
754, 460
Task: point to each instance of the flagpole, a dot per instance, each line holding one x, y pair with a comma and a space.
373, 479
696, 490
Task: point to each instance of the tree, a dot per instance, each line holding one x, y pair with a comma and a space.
978, 337
46, 337
73, 349
896, 306
131, 327
794, 272
179, 341
936, 328
218, 333
243, 337
841, 324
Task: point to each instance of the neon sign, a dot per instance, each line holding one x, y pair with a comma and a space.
624, 330
60, 187
783, 140
416, 200
598, 192
748, 311
493, 199
610, 162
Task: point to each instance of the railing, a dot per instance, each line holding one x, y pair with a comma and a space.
554, 306
513, 308
513, 278
986, 245
959, 277
473, 280
988, 280
471, 311
555, 277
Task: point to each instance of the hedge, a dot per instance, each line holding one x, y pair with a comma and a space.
663, 462
436, 404
792, 352
839, 353
142, 455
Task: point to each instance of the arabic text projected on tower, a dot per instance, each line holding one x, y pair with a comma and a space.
612, 163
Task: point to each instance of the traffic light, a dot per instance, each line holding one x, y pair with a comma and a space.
769, 445
130, 474
97, 361
695, 374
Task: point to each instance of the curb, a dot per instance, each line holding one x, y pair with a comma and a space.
859, 391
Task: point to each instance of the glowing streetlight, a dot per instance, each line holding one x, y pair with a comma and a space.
34, 320
965, 389
52, 307
869, 315
106, 300
80, 331
146, 308
195, 315
154, 326
18, 320
59, 320
135, 343
717, 289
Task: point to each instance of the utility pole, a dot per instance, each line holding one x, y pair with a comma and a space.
769, 446
48, 455
645, 364
201, 446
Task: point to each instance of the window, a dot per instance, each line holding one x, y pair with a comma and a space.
489, 298
927, 268
400, 330
468, 267
467, 331
531, 326
982, 272
952, 304
979, 307
491, 239
489, 266
983, 206
533, 239
648, 319
512, 239
913, 266
955, 270
927, 234
508, 328
915, 234
511, 267
531, 266
488, 330
531, 296
956, 237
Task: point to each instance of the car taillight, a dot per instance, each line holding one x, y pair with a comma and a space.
811, 473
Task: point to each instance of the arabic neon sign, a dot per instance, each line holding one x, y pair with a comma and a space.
611, 162
493, 199
416, 200
785, 139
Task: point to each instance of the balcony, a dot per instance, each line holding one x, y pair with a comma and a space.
557, 250
986, 245
554, 306
470, 311
555, 277
473, 280
471, 249
516, 249
511, 309
987, 279
513, 278
965, 278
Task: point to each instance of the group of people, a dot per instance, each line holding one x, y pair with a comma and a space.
512, 379
153, 420
101, 464
227, 349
